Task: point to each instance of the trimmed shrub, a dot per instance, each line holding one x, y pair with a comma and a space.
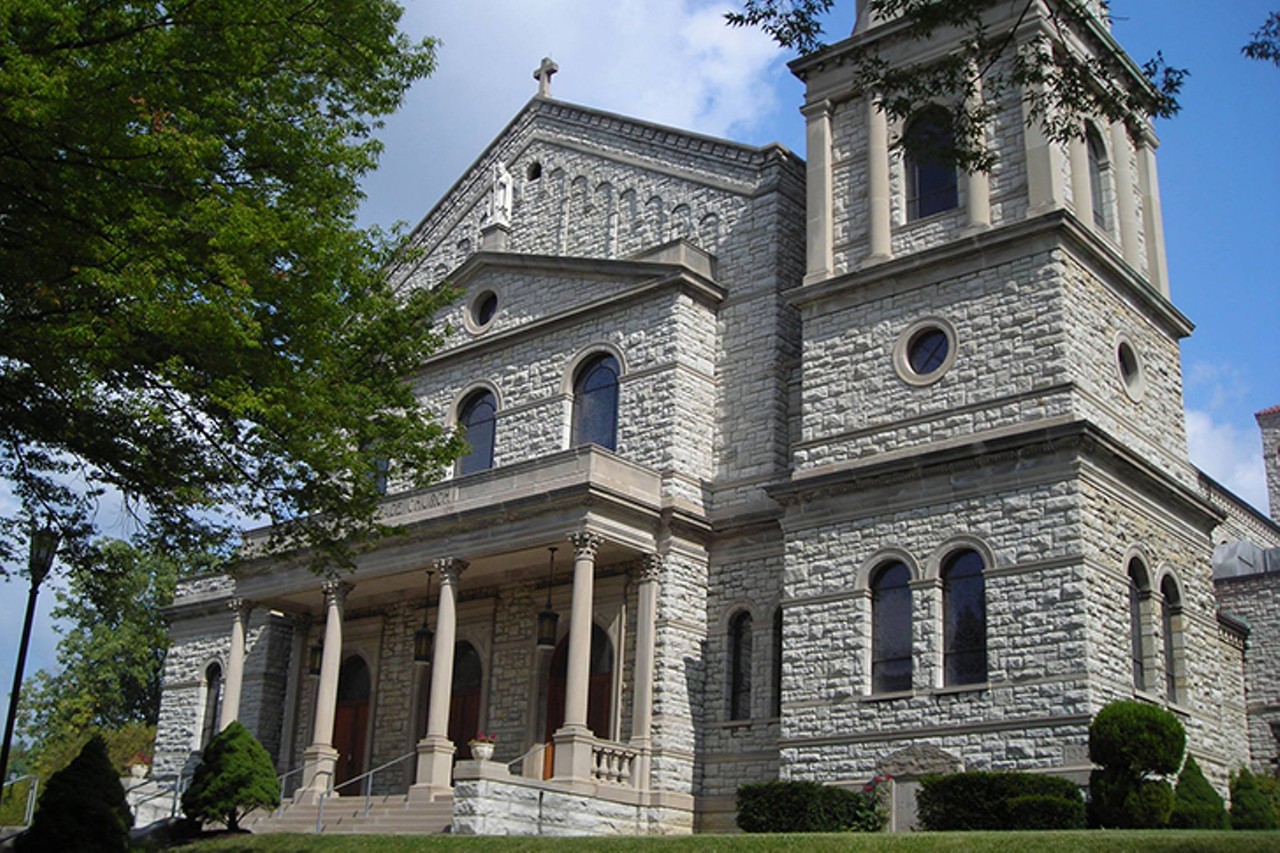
1118, 801
1250, 808
807, 807
1137, 737
235, 777
994, 801
82, 808
1196, 804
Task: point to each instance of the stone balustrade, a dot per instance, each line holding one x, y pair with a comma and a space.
613, 764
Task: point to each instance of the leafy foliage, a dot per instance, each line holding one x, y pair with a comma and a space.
999, 801
1135, 743
1250, 808
82, 807
1264, 44
234, 777
1196, 804
1056, 82
188, 314
782, 806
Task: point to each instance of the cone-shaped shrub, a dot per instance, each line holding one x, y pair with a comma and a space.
1196, 804
235, 777
1250, 808
82, 807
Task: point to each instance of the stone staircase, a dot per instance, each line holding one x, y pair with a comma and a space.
393, 814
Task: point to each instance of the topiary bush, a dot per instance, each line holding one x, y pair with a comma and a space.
1196, 805
1250, 808
1133, 742
993, 801
780, 806
235, 776
82, 808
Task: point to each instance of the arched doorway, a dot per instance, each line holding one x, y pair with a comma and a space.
464, 703
599, 691
351, 721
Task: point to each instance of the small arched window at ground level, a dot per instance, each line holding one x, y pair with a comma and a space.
595, 403
740, 667
478, 420
891, 629
964, 608
931, 180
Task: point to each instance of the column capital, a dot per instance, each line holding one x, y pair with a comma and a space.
242, 607
450, 569
648, 567
585, 543
817, 109
336, 591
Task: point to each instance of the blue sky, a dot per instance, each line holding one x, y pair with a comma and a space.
673, 61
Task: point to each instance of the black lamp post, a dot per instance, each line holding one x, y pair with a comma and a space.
44, 542
423, 637
547, 619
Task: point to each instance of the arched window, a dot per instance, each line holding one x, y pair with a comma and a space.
931, 182
477, 420
1098, 166
595, 403
740, 667
212, 703
891, 629
777, 662
964, 613
1139, 587
1171, 622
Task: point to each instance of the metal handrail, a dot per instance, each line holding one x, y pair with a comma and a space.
280, 780
31, 795
368, 788
175, 787
530, 751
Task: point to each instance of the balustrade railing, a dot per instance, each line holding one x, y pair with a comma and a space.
613, 764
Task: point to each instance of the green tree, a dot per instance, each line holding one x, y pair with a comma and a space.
235, 776
1264, 44
1196, 804
1250, 808
1136, 745
1057, 84
188, 314
82, 807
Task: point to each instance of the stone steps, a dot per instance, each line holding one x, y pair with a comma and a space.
388, 815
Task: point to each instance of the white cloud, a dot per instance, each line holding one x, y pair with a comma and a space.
1231, 455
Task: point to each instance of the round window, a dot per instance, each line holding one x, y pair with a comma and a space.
482, 311
925, 351
1129, 365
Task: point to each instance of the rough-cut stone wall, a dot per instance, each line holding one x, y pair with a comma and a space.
1256, 599
266, 675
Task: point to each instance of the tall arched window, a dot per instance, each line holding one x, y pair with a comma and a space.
212, 703
891, 629
964, 613
740, 667
931, 182
1098, 166
477, 420
1171, 622
777, 662
1139, 587
595, 403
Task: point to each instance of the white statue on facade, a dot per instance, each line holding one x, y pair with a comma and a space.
500, 199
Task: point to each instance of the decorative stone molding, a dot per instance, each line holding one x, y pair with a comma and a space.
336, 591
585, 544
450, 569
648, 568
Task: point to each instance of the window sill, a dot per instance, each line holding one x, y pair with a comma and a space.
951, 689
737, 724
888, 697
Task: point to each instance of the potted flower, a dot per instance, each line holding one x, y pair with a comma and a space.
482, 746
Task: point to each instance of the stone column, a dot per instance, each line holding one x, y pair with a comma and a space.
1152, 216
573, 742
818, 200
1044, 167
435, 750
293, 687
978, 184
240, 609
642, 709
879, 233
1126, 206
321, 758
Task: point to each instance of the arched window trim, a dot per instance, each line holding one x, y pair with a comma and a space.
891, 620
740, 663
931, 187
964, 658
482, 461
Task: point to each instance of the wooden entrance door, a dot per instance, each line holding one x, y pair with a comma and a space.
351, 722
464, 701
599, 692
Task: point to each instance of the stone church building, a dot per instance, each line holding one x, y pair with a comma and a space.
778, 469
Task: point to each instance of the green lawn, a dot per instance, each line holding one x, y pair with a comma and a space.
1025, 842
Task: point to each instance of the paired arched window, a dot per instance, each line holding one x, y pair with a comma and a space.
212, 703
1098, 166
1171, 623
891, 628
740, 667
931, 182
595, 402
964, 612
477, 419
1138, 589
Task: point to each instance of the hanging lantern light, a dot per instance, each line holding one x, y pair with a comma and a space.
315, 656
422, 638
548, 619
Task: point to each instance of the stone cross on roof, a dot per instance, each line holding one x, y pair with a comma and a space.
543, 76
